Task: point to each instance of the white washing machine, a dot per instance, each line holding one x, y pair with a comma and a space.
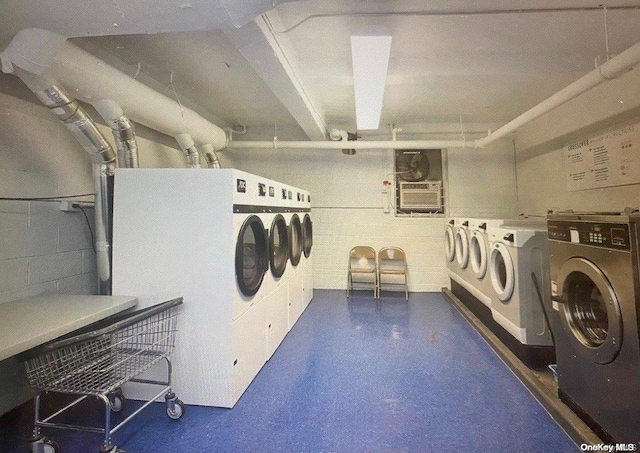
450, 246
462, 245
455, 236
516, 253
203, 234
478, 267
462, 273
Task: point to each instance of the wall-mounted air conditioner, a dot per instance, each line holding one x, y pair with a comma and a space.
421, 195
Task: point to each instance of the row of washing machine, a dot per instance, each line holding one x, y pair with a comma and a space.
584, 269
236, 247
500, 269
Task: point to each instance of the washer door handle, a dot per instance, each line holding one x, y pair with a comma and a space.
559, 300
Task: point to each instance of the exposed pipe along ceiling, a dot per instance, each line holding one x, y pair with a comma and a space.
47, 61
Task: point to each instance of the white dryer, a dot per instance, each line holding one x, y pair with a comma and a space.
295, 275
307, 245
202, 234
276, 279
516, 254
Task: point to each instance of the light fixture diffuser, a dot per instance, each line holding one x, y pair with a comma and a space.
370, 58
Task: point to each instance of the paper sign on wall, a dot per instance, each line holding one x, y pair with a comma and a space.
611, 159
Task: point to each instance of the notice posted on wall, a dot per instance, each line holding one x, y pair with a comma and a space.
611, 159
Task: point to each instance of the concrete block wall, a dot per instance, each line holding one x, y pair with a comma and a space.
42, 249
540, 145
348, 203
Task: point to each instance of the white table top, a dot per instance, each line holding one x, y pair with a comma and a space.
29, 322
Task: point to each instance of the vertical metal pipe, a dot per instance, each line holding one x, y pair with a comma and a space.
125, 142
103, 186
84, 129
210, 155
189, 148
122, 130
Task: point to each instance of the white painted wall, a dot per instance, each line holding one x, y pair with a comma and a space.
540, 149
347, 203
44, 250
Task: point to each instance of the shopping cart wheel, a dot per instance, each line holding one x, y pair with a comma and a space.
44, 445
177, 411
116, 401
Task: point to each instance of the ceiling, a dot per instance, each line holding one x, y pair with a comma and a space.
453, 71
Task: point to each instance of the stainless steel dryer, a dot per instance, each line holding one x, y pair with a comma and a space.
595, 297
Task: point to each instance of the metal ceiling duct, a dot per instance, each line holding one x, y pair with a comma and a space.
91, 80
189, 148
123, 133
85, 131
212, 158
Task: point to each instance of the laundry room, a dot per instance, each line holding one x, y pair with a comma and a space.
205, 165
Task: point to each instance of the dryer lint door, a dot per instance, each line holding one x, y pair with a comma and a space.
590, 312
252, 256
502, 272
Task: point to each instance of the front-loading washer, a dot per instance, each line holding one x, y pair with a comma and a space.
462, 248
518, 262
595, 289
464, 282
478, 268
450, 243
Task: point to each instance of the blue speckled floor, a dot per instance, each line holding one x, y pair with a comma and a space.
354, 375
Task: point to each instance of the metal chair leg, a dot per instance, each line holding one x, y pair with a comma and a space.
406, 288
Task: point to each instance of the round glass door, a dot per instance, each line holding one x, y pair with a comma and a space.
591, 312
295, 240
478, 254
462, 248
450, 243
502, 272
251, 256
307, 235
278, 246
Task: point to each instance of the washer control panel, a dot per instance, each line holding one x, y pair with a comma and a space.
605, 235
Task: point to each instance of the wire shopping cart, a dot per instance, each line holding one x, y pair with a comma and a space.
96, 361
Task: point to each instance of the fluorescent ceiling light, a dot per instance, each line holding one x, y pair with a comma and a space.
370, 57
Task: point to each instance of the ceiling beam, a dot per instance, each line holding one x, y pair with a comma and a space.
272, 59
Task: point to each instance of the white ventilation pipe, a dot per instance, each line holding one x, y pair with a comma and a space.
619, 64
189, 148
91, 80
123, 133
210, 154
357, 144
